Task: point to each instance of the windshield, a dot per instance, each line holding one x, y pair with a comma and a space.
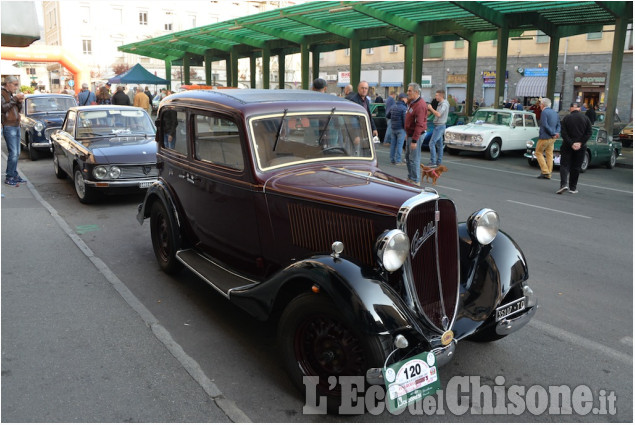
289, 137
492, 117
49, 104
114, 123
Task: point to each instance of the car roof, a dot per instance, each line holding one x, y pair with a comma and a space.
106, 107
504, 110
34, 95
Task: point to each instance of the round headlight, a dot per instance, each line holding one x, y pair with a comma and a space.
100, 172
115, 172
392, 249
38, 126
530, 144
483, 225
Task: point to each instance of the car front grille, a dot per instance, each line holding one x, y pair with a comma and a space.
432, 269
138, 171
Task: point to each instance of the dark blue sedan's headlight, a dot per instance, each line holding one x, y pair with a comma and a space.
38, 126
103, 172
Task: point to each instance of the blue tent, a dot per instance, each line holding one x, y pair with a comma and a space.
137, 75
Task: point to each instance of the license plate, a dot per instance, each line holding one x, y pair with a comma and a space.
556, 159
145, 185
509, 309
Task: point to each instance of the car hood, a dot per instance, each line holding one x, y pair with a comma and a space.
355, 187
123, 150
51, 119
476, 128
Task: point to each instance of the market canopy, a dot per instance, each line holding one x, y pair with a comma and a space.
532, 87
137, 75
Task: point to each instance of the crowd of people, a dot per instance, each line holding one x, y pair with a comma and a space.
136, 96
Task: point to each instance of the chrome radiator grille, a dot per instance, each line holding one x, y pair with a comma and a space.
316, 229
433, 272
138, 171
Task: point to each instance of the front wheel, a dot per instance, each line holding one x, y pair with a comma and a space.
33, 154
585, 162
532, 162
493, 150
164, 239
316, 340
612, 160
85, 194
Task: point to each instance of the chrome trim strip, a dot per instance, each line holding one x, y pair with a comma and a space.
123, 183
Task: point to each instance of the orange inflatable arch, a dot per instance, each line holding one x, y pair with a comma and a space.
50, 54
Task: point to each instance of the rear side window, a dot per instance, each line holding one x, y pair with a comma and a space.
217, 141
69, 126
174, 130
529, 121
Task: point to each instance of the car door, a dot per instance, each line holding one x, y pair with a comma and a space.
64, 149
598, 144
518, 134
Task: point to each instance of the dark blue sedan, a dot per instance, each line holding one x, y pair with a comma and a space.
41, 114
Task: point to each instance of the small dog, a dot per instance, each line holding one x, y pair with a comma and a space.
433, 174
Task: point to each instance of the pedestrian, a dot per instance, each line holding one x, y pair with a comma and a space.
131, 94
103, 97
591, 115
452, 102
547, 135
86, 97
440, 119
397, 118
361, 98
576, 130
11, 106
319, 85
120, 98
536, 108
379, 99
141, 100
348, 91
390, 102
147, 93
416, 125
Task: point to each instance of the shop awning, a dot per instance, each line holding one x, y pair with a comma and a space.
532, 87
391, 83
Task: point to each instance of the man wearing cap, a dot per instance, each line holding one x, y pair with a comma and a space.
319, 85
85, 96
576, 130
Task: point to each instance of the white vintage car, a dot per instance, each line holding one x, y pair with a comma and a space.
492, 131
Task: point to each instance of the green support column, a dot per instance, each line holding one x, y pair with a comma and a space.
417, 57
471, 75
355, 62
407, 61
501, 65
233, 57
266, 68
304, 65
208, 70
554, 47
616, 69
186, 69
316, 64
282, 69
168, 72
228, 72
252, 71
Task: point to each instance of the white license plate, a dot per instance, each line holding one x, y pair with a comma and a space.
509, 309
556, 159
145, 185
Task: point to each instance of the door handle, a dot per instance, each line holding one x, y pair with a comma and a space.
193, 179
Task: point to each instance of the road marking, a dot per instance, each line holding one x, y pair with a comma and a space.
450, 188
548, 209
567, 336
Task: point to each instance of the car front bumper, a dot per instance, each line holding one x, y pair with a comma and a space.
128, 183
468, 146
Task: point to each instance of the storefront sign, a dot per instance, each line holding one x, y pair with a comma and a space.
426, 81
489, 78
536, 72
457, 79
344, 77
589, 79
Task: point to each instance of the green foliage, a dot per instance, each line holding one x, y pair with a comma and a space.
27, 89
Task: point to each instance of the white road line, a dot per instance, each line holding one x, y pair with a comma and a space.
548, 209
450, 188
567, 336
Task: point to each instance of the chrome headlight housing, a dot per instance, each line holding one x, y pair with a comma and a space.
114, 172
477, 138
483, 225
38, 126
100, 172
392, 249
449, 135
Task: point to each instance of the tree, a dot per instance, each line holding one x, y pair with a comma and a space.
120, 68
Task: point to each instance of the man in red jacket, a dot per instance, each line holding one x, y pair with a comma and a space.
416, 126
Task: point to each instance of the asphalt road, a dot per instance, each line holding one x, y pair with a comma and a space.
579, 251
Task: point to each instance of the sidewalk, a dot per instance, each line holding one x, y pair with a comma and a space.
77, 346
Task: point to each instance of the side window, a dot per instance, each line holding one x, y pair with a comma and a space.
518, 120
174, 130
217, 141
602, 137
69, 125
529, 121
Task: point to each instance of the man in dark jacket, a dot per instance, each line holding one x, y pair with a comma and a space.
397, 119
11, 107
576, 130
361, 99
120, 98
416, 126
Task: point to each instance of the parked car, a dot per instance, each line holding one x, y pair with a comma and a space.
600, 150
41, 114
626, 135
454, 118
378, 112
618, 124
492, 131
275, 199
105, 148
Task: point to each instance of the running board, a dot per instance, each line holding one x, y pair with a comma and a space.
217, 276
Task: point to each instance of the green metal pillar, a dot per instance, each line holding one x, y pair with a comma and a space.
233, 57
355, 62
554, 47
407, 61
501, 66
228, 75
316, 64
304, 65
282, 69
208, 69
252, 71
471, 75
616, 70
168, 72
186, 69
417, 57
266, 68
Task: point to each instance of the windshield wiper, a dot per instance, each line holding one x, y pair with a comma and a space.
325, 127
279, 129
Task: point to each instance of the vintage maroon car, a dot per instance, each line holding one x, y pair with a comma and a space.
275, 199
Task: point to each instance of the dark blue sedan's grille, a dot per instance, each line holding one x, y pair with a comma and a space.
138, 171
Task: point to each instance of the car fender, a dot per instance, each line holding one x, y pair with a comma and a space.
159, 192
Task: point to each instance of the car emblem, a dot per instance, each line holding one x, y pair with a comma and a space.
418, 241
146, 169
447, 337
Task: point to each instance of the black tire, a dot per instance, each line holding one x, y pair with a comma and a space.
165, 240
585, 162
453, 151
59, 173
493, 151
316, 340
85, 194
612, 160
33, 154
532, 163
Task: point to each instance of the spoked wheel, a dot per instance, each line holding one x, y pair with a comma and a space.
85, 194
316, 340
164, 239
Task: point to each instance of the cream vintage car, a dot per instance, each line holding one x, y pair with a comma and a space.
492, 131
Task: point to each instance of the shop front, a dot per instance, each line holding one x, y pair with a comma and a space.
589, 88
